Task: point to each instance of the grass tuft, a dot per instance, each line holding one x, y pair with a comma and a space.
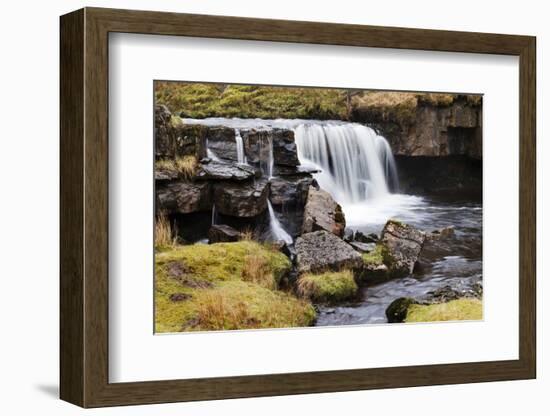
327, 287
185, 167
164, 237
466, 309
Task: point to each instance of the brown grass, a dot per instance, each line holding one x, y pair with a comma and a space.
256, 269
186, 166
164, 237
247, 235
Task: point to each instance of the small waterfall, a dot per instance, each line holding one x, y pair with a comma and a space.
266, 154
241, 157
214, 215
275, 226
356, 163
210, 154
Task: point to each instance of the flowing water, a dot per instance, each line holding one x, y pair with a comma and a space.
358, 169
241, 157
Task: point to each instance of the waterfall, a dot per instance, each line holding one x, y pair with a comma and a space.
241, 157
357, 164
266, 154
210, 154
275, 226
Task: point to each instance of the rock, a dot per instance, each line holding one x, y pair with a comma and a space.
290, 191
321, 250
258, 145
183, 197
222, 234
175, 139
363, 247
348, 235
180, 297
165, 174
396, 312
362, 238
464, 288
284, 148
402, 245
221, 140
225, 171
280, 170
442, 233
323, 213
241, 199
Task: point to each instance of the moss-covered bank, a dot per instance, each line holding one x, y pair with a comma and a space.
465, 309
329, 287
224, 286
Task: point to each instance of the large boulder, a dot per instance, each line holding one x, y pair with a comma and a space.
290, 190
222, 234
225, 171
320, 251
402, 244
244, 200
182, 197
322, 212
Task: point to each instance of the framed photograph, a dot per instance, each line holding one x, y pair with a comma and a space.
263, 207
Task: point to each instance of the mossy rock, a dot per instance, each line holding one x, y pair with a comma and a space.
225, 286
465, 309
397, 311
330, 287
375, 268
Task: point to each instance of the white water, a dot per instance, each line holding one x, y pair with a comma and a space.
275, 226
210, 154
241, 157
356, 165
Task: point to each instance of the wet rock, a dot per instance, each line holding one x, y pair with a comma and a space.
323, 213
221, 140
183, 197
467, 288
290, 191
222, 234
321, 250
165, 174
241, 199
363, 247
280, 170
362, 238
402, 245
225, 171
396, 312
258, 145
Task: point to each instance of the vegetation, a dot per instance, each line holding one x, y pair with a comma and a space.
164, 237
465, 309
185, 167
374, 257
327, 287
224, 286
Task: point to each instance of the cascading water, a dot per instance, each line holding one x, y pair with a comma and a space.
241, 157
356, 164
276, 228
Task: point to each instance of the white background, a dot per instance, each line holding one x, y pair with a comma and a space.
131, 209
29, 217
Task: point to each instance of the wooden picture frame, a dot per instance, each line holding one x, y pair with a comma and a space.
84, 207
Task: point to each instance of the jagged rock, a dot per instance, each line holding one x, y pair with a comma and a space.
291, 190
402, 245
222, 234
323, 213
320, 251
184, 197
225, 171
397, 311
241, 199
284, 148
163, 174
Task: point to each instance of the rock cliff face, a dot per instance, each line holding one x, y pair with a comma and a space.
448, 127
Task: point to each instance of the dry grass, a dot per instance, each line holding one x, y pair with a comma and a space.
164, 237
247, 235
256, 269
185, 167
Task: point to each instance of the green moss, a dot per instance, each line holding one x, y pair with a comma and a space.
465, 309
219, 100
202, 287
375, 257
328, 287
